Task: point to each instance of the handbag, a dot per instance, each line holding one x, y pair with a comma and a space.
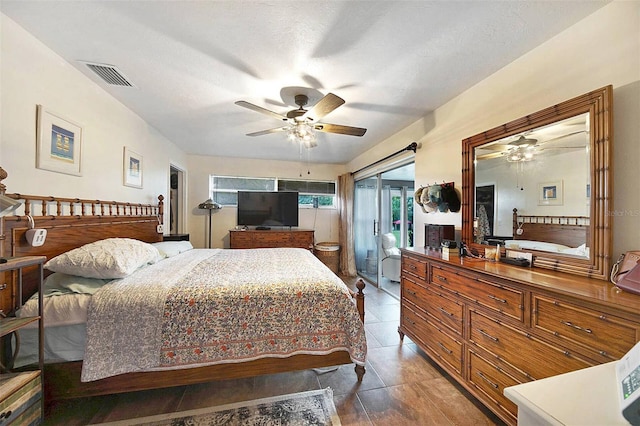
624, 264
631, 280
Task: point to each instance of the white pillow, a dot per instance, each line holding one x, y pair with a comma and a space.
535, 245
110, 258
58, 284
171, 248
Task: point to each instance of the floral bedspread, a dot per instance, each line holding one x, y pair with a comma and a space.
219, 306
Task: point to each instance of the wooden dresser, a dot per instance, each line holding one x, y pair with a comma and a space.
492, 325
299, 238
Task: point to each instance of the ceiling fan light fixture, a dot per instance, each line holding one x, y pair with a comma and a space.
303, 134
520, 154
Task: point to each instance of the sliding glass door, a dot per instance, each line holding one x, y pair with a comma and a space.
383, 223
366, 225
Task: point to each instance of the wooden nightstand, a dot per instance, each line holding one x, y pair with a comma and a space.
21, 393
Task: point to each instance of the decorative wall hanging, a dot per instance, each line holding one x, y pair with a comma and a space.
132, 168
438, 198
59, 143
550, 193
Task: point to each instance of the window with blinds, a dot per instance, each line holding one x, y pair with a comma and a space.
311, 193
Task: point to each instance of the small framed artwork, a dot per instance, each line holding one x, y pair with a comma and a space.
132, 168
550, 193
58, 143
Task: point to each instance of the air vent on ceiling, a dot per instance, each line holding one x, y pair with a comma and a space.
109, 73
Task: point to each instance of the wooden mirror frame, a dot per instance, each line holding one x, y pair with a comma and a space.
598, 104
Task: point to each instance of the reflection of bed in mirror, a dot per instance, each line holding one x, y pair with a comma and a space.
568, 235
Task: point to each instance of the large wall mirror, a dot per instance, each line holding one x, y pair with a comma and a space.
542, 184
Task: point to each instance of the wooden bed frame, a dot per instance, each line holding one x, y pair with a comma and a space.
72, 222
571, 231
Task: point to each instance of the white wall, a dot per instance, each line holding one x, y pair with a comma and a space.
600, 50
516, 185
32, 74
323, 221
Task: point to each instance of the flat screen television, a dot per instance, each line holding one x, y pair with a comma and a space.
266, 209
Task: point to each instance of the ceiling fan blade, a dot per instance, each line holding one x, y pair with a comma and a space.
337, 128
261, 110
266, 132
490, 155
324, 107
564, 136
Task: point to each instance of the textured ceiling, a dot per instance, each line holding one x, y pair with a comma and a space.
391, 61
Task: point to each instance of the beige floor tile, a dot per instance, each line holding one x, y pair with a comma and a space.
455, 403
350, 410
401, 405
383, 312
400, 364
386, 333
343, 380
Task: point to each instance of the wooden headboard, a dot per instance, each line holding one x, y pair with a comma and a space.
571, 231
70, 223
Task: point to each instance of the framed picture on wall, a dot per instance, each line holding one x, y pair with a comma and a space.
58, 143
550, 193
132, 168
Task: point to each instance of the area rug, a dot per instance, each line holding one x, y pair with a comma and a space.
304, 408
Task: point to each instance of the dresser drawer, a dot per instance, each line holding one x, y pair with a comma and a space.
499, 298
491, 381
413, 322
445, 311
275, 239
535, 358
302, 239
607, 338
414, 291
240, 240
444, 347
414, 266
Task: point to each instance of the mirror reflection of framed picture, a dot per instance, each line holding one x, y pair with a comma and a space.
550, 193
132, 168
59, 143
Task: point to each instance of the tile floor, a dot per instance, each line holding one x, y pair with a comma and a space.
400, 387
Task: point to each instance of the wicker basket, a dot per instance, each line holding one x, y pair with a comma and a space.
329, 254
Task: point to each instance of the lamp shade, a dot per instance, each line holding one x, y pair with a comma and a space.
8, 205
209, 205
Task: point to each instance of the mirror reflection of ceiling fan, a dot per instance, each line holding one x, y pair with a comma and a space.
302, 123
524, 147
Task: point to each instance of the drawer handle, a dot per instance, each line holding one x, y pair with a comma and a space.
485, 334
413, 293
603, 353
444, 348
441, 278
493, 385
568, 324
413, 267
409, 321
497, 299
445, 312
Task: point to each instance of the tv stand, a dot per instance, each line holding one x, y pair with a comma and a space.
257, 238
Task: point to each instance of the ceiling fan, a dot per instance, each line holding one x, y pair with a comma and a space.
523, 148
302, 123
